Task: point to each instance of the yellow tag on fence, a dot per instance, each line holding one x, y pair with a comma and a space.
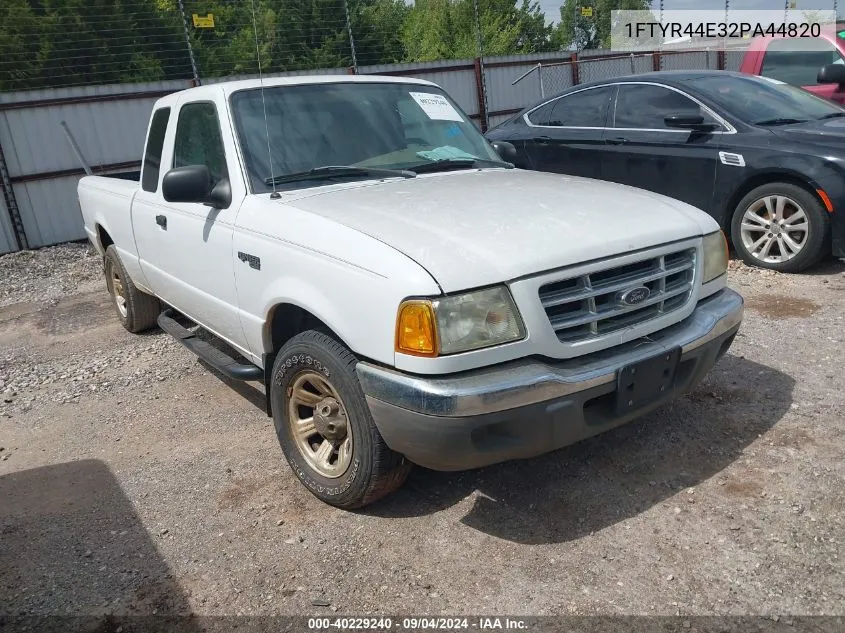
204, 22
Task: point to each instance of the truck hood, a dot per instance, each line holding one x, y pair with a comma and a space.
478, 227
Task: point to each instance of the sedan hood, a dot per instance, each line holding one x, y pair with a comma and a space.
830, 132
479, 227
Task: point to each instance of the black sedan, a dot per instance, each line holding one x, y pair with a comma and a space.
766, 159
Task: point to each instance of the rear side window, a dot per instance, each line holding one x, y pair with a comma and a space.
198, 139
152, 154
798, 62
586, 108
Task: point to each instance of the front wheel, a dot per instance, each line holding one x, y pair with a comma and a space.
780, 226
324, 425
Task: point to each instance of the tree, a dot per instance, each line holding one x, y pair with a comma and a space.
576, 31
448, 29
20, 53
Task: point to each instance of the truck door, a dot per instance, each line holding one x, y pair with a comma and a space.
186, 248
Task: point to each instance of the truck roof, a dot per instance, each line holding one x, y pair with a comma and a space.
228, 87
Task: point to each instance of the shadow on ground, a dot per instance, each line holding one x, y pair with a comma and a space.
75, 554
586, 487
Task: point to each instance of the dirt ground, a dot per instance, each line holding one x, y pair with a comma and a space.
135, 480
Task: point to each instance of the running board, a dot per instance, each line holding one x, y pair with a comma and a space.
221, 361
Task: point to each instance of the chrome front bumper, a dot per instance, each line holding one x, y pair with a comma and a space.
528, 407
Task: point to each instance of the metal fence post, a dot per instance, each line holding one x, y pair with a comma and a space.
351, 39
12, 204
540, 77
188, 44
633, 68
480, 79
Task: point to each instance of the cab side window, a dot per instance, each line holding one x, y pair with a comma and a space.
199, 141
798, 62
152, 153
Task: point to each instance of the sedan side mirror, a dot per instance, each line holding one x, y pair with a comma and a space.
832, 74
693, 122
505, 150
193, 184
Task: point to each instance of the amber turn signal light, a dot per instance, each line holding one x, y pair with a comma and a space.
416, 332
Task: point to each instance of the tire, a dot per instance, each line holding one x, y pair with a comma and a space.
353, 467
775, 250
136, 310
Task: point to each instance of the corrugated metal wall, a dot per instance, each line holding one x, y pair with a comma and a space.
7, 235
34, 144
457, 77
109, 122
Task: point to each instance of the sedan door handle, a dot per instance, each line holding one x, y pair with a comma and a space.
619, 140
161, 220
542, 140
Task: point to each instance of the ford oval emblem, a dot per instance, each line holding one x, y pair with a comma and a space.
633, 296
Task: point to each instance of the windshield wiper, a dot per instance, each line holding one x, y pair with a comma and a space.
445, 164
780, 121
330, 171
832, 115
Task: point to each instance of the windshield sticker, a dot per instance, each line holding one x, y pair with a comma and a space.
445, 152
454, 131
436, 106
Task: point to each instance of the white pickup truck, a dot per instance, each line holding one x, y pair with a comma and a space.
404, 293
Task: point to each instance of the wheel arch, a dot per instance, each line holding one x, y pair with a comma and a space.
105, 240
284, 321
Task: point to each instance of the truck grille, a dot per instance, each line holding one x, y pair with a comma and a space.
588, 306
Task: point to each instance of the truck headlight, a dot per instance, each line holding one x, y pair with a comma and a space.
458, 323
715, 248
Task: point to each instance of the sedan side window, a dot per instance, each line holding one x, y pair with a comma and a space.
585, 108
644, 106
198, 139
798, 62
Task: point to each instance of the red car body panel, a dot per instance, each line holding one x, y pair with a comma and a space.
752, 63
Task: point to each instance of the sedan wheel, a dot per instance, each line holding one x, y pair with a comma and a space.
774, 229
780, 226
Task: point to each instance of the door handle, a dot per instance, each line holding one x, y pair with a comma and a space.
619, 140
161, 220
542, 140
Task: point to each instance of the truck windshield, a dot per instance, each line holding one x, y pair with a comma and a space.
369, 125
762, 101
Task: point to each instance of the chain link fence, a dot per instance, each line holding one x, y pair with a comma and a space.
557, 77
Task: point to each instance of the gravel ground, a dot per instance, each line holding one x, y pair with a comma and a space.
134, 480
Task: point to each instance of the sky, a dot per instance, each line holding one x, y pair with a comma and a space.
552, 7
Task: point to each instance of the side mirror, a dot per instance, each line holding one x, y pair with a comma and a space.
505, 150
693, 122
193, 184
832, 74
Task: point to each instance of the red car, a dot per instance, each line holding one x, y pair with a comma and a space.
799, 61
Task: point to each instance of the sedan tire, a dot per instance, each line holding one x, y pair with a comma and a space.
780, 226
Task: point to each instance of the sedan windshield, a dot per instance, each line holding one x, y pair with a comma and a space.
760, 101
369, 128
